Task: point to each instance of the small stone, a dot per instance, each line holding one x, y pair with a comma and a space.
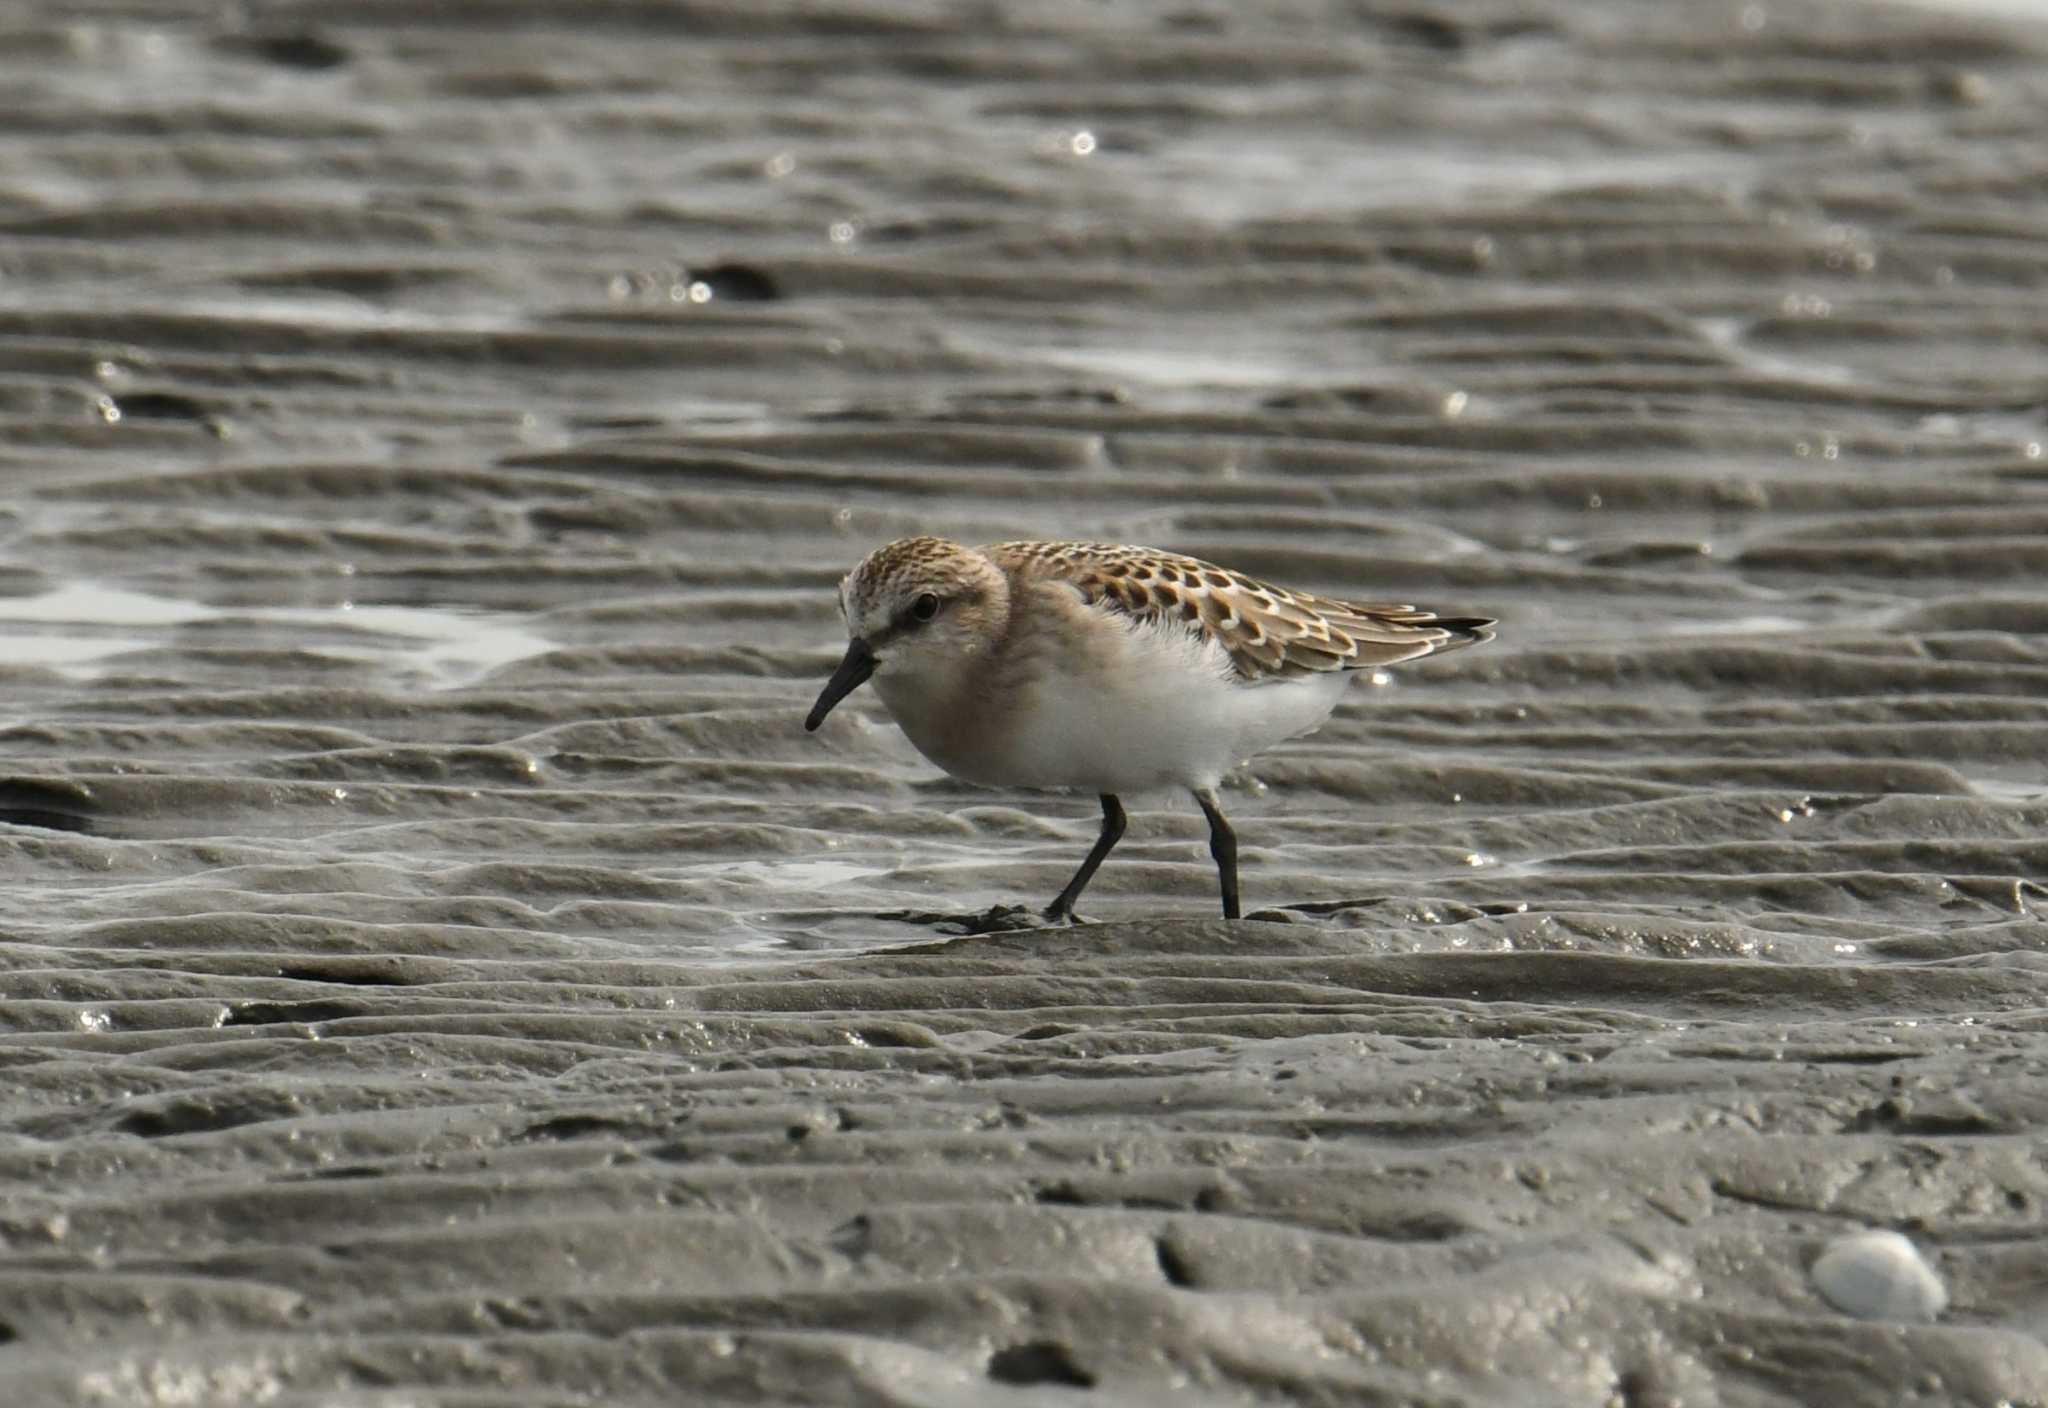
1879, 1276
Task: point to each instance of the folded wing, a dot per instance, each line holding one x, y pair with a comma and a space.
1270, 632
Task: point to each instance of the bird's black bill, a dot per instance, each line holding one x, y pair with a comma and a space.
853, 672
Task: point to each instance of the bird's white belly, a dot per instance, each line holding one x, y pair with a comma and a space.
1167, 712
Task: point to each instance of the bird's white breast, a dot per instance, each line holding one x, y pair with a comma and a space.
1134, 706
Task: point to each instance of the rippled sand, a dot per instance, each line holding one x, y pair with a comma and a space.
438, 967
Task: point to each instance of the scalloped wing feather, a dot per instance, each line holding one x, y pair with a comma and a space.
1268, 631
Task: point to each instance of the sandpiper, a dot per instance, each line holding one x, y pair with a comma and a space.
1114, 669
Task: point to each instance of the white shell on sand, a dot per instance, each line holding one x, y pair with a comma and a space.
1879, 1276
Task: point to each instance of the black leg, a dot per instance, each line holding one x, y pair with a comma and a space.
1223, 846
1112, 832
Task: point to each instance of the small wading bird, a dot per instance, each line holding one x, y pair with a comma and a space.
1115, 669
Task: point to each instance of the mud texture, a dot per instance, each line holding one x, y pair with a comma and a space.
437, 967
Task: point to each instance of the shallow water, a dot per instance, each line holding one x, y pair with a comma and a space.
439, 967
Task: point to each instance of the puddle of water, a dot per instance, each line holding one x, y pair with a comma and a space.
800, 874
452, 648
1728, 335
2005, 789
1249, 172
90, 604
1163, 365
77, 627
70, 656
1737, 626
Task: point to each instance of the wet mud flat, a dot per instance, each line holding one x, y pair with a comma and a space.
436, 966
1227, 1162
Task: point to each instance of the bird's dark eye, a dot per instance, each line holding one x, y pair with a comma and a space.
925, 607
